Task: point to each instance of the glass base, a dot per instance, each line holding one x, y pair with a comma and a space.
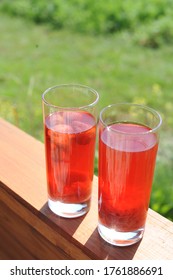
118, 238
68, 210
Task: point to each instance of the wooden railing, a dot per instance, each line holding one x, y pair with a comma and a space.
29, 230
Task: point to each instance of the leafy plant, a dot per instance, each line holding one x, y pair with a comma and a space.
150, 21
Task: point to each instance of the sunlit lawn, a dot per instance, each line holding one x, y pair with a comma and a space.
33, 58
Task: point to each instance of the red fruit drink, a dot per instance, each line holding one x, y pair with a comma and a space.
126, 168
70, 143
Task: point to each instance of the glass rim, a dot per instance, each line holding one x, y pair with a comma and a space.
149, 109
68, 86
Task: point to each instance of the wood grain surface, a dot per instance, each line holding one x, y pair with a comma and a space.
29, 230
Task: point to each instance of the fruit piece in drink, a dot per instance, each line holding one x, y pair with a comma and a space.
70, 145
126, 167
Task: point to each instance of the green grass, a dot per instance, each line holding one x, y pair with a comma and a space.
33, 58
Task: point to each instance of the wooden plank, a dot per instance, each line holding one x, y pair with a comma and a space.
23, 192
22, 241
11, 249
62, 240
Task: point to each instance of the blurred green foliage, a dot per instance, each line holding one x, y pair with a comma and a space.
34, 58
150, 21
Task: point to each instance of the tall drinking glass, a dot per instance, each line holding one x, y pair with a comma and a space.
128, 144
70, 118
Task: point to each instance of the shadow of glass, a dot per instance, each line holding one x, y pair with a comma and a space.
106, 251
68, 225
90, 242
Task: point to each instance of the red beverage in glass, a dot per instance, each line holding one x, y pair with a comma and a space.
70, 144
126, 169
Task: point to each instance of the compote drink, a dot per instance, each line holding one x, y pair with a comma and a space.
70, 144
126, 168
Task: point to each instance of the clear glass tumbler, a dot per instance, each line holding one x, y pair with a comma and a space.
128, 144
70, 119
